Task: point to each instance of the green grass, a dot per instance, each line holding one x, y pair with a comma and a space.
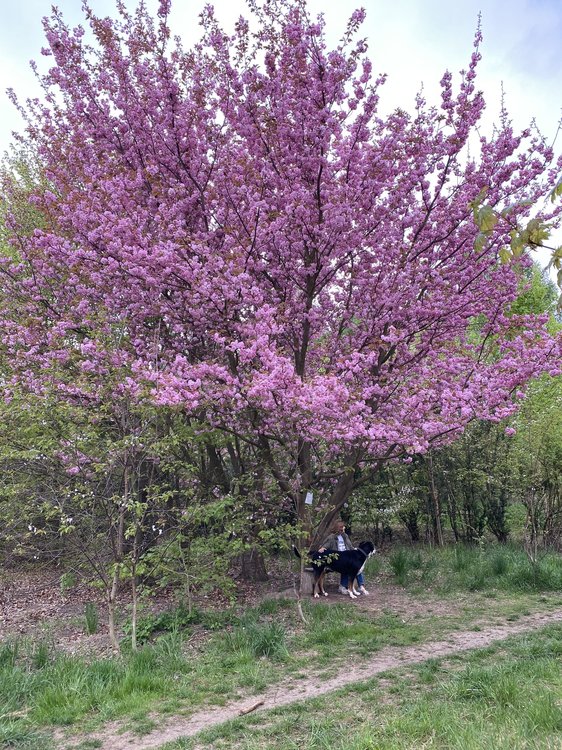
403, 561
259, 639
263, 645
58, 689
479, 568
336, 631
242, 653
485, 700
91, 620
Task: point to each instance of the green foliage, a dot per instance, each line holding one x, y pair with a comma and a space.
556, 191
67, 582
485, 219
538, 294
20, 175
538, 443
534, 234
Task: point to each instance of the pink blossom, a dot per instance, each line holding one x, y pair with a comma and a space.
253, 243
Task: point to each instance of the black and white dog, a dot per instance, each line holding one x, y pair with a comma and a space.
350, 563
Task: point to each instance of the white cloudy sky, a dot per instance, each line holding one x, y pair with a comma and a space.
413, 41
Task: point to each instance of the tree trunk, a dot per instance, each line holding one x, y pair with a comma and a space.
452, 511
435, 505
134, 614
253, 566
338, 499
118, 545
307, 581
111, 600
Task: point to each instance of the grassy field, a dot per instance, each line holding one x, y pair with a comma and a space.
246, 655
211, 658
499, 698
480, 568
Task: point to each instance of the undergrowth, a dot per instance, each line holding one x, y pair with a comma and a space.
475, 568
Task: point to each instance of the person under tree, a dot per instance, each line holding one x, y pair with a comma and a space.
339, 541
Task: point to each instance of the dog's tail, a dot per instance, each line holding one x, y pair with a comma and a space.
295, 550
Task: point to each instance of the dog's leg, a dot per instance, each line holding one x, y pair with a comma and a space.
315, 587
350, 588
321, 583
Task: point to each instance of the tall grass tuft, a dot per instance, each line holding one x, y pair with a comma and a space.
9, 651
260, 639
491, 684
500, 563
402, 562
462, 558
41, 654
15, 734
91, 618
543, 575
268, 639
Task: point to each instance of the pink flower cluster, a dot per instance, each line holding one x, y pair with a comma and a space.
234, 230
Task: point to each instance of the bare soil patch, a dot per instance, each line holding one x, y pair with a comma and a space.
33, 603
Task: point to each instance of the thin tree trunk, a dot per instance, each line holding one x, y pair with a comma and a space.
111, 601
118, 559
436, 508
337, 500
134, 614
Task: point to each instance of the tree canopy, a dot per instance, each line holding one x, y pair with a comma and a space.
233, 230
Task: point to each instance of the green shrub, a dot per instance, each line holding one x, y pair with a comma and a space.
179, 619
67, 582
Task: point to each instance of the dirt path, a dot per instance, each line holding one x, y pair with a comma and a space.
293, 691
